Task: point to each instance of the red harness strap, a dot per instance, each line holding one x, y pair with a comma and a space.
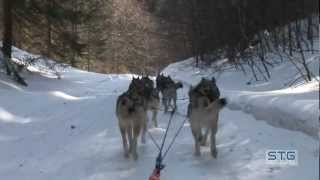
155, 174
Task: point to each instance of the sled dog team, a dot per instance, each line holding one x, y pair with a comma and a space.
133, 105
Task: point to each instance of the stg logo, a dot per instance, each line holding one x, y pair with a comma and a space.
282, 157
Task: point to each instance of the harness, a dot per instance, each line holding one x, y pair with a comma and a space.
156, 173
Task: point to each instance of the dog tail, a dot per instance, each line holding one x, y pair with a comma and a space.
178, 85
222, 102
218, 104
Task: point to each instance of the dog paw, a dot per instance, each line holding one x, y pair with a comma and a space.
135, 156
143, 140
155, 125
197, 153
214, 153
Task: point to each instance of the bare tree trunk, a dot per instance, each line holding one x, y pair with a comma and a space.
241, 67
290, 38
251, 65
284, 41
8, 40
49, 27
262, 55
298, 39
275, 38
74, 31
283, 34
7, 34
296, 66
310, 32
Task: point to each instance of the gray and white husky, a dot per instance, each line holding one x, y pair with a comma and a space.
168, 89
132, 119
152, 98
204, 118
169, 96
131, 111
203, 112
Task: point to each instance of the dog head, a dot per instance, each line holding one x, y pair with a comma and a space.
136, 86
206, 88
178, 85
155, 93
134, 101
213, 80
148, 85
160, 81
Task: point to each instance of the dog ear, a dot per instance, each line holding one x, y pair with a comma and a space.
213, 80
178, 85
124, 102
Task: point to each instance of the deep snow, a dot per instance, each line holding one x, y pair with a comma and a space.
66, 129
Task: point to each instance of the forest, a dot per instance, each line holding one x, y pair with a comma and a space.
143, 36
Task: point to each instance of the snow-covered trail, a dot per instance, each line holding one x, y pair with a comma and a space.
66, 129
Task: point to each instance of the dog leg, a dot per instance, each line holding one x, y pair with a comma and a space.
136, 132
163, 102
213, 147
174, 99
124, 142
144, 130
154, 117
129, 133
166, 104
205, 137
196, 136
197, 148
189, 110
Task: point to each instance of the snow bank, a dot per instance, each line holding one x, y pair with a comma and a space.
36, 63
287, 108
